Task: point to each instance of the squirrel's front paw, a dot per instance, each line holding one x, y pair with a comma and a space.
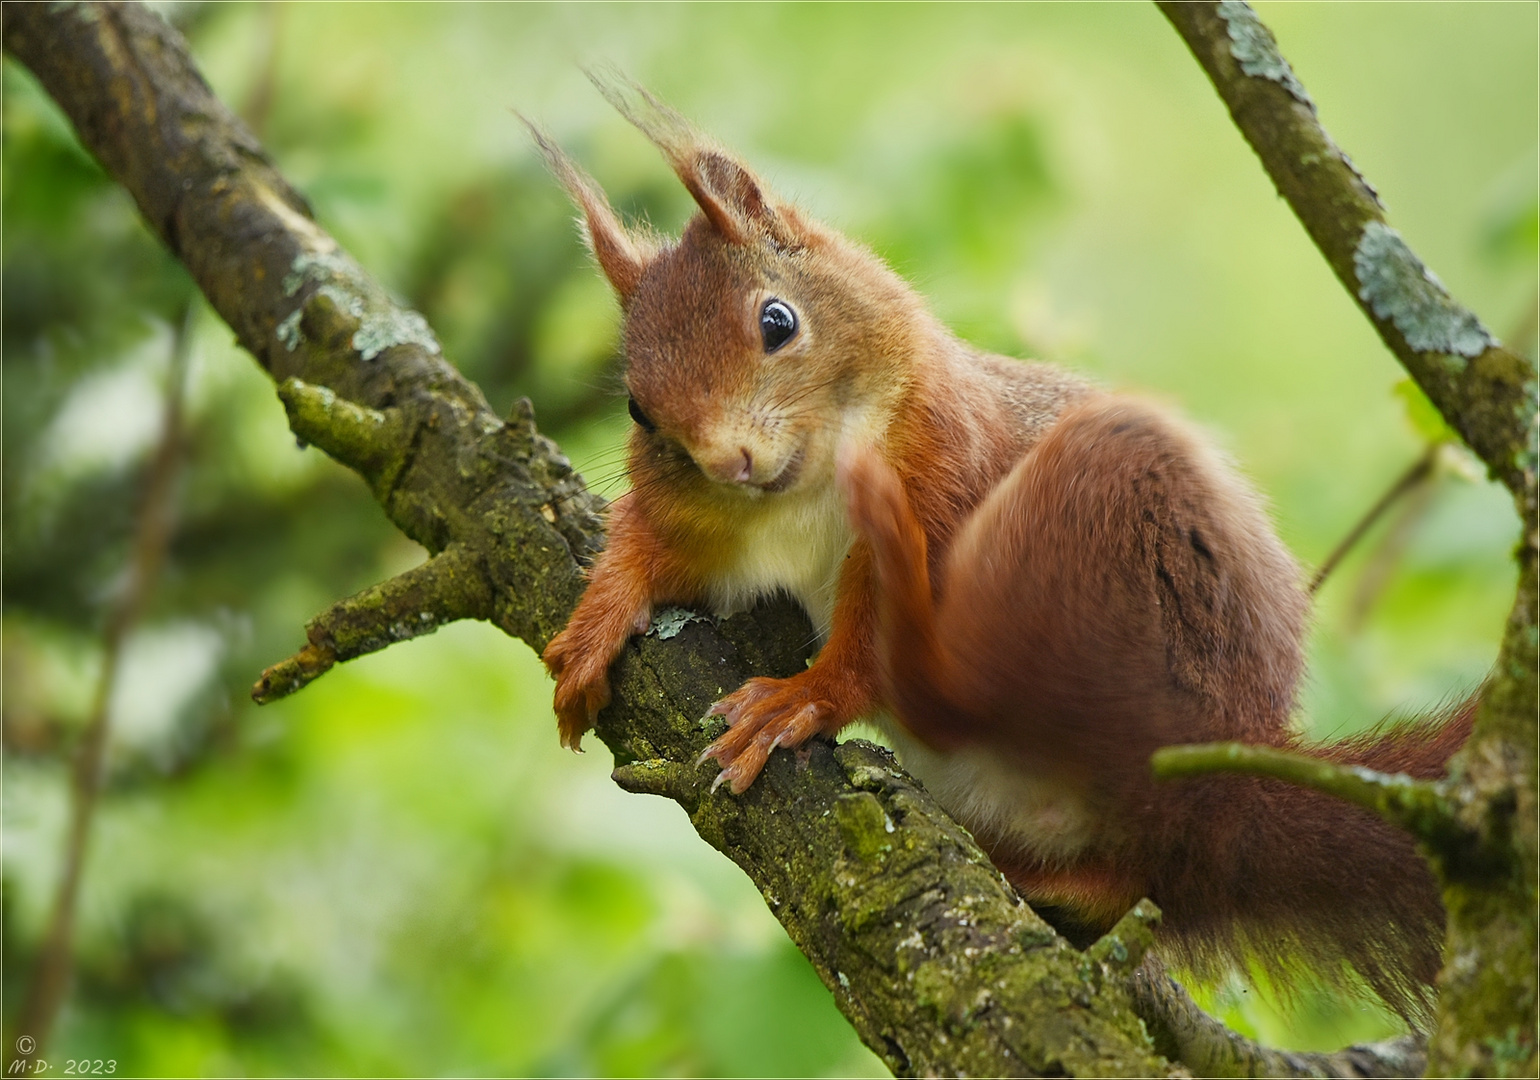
764, 714
582, 686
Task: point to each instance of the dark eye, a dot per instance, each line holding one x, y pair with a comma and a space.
777, 322
643, 421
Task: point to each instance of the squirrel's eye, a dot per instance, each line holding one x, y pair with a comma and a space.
777, 322
643, 421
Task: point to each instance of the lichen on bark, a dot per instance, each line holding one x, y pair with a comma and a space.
1397, 286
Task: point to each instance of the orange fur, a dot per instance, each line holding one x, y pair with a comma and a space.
1043, 582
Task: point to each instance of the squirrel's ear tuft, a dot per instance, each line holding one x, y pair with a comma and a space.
621, 256
732, 198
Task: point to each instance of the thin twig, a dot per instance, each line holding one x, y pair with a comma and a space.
1415, 476
55, 961
1381, 563
1412, 482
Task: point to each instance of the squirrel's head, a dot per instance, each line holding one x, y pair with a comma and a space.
759, 339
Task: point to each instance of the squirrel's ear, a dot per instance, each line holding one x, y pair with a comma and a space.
621, 256
732, 198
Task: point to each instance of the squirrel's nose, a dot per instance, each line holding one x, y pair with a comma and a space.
730, 468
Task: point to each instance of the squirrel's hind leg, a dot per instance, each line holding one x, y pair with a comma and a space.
1119, 590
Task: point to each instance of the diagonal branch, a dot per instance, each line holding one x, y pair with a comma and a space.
449, 586
1186, 1033
1413, 479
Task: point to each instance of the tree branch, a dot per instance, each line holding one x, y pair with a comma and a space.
1422, 808
448, 587
1184, 1032
1415, 476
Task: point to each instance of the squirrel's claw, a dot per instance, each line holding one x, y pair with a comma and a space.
763, 714
577, 705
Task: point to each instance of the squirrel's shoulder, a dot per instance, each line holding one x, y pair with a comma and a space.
1031, 393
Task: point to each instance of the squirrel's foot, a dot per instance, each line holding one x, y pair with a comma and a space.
582, 685
764, 714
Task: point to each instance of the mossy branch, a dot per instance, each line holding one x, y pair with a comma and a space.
371, 442
1123, 948
1422, 808
449, 586
670, 779
1184, 1032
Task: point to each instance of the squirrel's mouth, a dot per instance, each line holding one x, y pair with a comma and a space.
788, 474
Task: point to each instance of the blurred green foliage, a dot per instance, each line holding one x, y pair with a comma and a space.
398, 871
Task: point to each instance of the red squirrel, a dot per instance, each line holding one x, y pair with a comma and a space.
1030, 583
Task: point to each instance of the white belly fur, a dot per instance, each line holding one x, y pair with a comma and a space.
1025, 813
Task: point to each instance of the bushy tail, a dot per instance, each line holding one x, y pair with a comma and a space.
1419, 748
1308, 886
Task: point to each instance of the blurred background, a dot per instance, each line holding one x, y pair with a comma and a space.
398, 870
